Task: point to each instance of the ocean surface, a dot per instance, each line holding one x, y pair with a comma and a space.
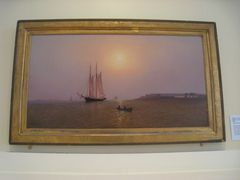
170, 112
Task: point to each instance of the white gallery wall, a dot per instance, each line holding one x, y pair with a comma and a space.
172, 161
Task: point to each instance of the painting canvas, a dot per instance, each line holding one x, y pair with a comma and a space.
116, 82
161, 78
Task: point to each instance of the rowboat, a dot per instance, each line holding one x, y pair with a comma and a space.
124, 109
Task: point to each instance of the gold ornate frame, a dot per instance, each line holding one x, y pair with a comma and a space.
20, 134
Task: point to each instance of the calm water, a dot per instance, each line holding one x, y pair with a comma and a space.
145, 114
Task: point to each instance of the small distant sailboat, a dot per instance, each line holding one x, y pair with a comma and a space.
94, 88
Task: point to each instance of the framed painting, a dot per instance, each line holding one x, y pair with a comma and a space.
78, 82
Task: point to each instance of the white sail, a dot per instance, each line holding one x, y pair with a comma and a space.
91, 87
99, 87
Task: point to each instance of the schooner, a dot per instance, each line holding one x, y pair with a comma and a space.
94, 88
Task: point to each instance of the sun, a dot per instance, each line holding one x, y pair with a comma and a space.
123, 60
119, 59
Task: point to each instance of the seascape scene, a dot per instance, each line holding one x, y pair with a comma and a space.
116, 81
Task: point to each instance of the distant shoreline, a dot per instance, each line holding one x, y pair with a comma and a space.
146, 96
172, 95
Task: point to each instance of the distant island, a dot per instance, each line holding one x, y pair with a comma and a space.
172, 95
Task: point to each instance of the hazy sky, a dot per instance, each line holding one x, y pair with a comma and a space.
132, 65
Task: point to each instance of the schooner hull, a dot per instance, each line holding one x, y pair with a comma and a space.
88, 99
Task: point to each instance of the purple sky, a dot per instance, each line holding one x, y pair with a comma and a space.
132, 65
